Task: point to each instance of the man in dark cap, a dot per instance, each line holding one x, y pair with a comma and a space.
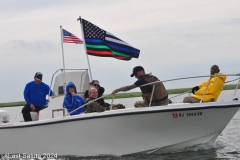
160, 95
35, 96
214, 87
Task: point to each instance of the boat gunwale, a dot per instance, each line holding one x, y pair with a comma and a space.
121, 112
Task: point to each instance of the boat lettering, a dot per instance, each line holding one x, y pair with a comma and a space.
175, 115
194, 114
189, 114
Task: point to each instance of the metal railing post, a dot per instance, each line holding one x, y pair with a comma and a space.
152, 95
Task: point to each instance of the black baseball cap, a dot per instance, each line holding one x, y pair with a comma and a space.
136, 69
38, 75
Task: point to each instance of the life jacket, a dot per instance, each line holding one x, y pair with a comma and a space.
160, 92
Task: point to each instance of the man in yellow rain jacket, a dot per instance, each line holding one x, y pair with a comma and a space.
214, 88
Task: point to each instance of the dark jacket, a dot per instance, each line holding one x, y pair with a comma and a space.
94, 106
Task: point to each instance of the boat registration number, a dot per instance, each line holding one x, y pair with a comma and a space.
188, 114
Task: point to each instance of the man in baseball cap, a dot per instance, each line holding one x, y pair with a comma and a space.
160, 95
38, 76
35, 93
136, 69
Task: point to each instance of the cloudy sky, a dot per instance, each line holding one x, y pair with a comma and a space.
177, 38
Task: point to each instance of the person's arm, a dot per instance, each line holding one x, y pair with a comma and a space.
48, 90
124, 89
70, 100
203, 84
214, 85
51, 92
26, 94
80, 101
138, 83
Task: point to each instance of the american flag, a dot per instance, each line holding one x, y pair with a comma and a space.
70, 38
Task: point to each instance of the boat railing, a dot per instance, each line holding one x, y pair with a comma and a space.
154, 83
189, 91
210, 77
92, 102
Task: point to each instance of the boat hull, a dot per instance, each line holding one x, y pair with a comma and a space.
120, 132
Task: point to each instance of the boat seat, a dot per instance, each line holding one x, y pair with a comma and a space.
35, 116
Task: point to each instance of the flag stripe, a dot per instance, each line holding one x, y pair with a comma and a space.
115, 53
121, 54
124, 49
100, 41
117, 41
123, 58
128, 50
108, 34
101, 48
100, 53
97, 46
107, 54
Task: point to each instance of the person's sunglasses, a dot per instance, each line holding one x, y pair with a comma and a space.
96, 85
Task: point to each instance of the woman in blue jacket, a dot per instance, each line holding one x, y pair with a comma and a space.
72, 101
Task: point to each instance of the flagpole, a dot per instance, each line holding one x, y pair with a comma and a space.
85, 47
64, 75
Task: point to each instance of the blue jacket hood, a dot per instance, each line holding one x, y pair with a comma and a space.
70, 84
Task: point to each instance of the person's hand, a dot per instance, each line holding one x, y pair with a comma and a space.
114, 92
73, 93
194, 89
33, 108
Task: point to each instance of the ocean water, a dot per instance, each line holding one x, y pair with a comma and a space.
226, 146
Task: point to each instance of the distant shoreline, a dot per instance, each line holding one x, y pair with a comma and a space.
125, 95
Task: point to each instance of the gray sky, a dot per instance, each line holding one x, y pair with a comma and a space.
177, 38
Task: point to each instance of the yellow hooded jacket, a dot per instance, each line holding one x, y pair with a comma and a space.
215, 87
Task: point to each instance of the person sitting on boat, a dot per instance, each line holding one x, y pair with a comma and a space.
100, 89
35, 96
214, 88
72, 100
160, 95
96, 106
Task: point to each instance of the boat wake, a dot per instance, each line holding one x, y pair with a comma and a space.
202, 147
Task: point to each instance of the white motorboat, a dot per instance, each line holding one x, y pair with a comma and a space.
117, 132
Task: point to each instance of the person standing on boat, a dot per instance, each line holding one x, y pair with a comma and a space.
160, 95
96, 106
35, 96
214, 88
72, 100
100, 89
